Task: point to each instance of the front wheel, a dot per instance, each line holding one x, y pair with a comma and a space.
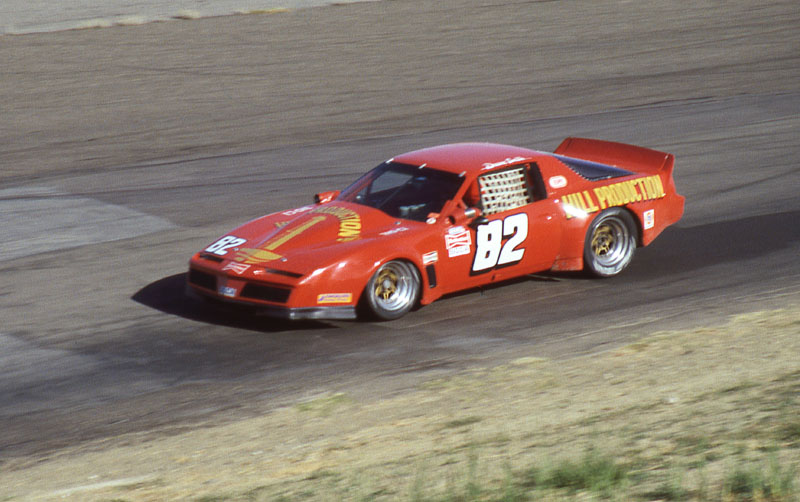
392, 290
610, 243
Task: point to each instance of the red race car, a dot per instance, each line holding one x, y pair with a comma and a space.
444, 219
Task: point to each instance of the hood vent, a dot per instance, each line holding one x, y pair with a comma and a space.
208, 256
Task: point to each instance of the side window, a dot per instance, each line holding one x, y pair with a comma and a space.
504, 190
536, 183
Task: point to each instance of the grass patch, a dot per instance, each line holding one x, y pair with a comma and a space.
594, 472
739, 387
91, 24
275, 10
325, 405
323, 474
462, 422
693, 444
187, 15
790, 432
213, 498
755, 482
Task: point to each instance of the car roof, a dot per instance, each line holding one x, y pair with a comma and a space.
468, 157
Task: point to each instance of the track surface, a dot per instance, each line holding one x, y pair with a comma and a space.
96, 336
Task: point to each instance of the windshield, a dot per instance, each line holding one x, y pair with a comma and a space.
403, 191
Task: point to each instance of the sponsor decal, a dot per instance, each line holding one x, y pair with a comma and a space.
557, 181
349, 222
239, 268
505, 162
430, 258
227, 291
617, 194
335, 298
221, 247
649, 219
349, 229
491, 252
394, 231
266, 252
458, 242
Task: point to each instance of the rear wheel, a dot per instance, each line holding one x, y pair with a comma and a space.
610, 243
392, 290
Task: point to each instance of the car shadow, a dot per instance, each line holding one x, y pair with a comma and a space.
169, 295
690, 249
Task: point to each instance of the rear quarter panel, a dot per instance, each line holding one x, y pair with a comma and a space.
649, 197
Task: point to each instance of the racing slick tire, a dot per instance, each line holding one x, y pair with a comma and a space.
610, 243
392, 290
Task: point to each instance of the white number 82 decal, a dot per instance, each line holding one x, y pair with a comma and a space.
490, 251
222, 246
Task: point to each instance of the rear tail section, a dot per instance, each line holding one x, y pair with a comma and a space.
634, 158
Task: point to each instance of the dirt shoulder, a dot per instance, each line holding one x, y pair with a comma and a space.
695, 404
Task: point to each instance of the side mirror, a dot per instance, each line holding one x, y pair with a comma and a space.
480, 220
323, 197
462, 216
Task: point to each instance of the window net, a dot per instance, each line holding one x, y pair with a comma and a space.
504, 190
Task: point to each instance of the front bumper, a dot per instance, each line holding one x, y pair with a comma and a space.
298, 313
342, 312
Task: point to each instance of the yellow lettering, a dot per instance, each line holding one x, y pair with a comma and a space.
578, 201
652, 187
636, 184
613, 196
612, 200
624, 194
659, 186
584, 203
617, 194
601, 198
349, 222
569, 200
351, 225
590, 207
348, 232
630, 192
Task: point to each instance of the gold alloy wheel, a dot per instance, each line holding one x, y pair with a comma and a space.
603, 240
393, 289
610, 242
386, 284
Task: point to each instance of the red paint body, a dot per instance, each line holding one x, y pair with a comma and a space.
314, 261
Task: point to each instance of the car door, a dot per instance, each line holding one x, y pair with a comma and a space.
517, 233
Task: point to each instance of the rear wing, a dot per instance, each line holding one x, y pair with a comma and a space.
634, 158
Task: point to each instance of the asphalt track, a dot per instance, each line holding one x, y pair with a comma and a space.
97, 338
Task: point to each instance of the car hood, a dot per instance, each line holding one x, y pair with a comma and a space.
302, 239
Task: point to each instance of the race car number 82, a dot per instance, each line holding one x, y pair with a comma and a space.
490, 251
222, 246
